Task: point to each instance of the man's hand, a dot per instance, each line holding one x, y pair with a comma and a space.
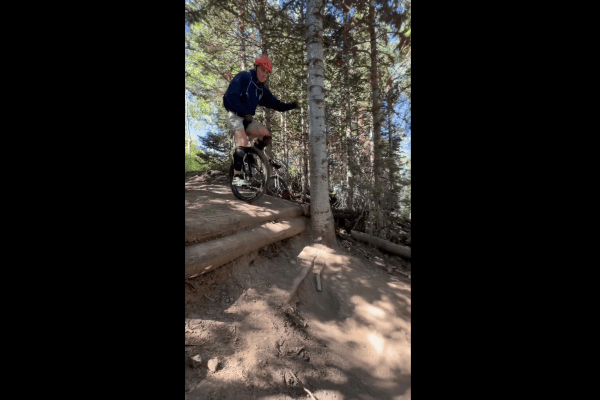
295, 104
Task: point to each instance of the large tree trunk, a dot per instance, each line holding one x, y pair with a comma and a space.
187, 120
349, 153
264, 46
377, 150
392, 162
241, 28
284, 138
305, 155
320, 210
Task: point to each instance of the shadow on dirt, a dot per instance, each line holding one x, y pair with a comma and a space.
351, 340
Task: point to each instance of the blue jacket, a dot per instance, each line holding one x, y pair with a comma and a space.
245, 92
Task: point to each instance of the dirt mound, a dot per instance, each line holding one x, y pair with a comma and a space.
351, 340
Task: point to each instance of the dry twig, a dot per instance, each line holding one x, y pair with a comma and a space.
295, 377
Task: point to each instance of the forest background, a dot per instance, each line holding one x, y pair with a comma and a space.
367, 85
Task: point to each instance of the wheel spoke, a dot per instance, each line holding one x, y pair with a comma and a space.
254, 172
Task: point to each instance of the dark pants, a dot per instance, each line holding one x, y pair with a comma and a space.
238, 154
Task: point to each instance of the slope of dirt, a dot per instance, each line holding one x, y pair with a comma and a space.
349, 341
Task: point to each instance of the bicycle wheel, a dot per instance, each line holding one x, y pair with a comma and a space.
276, 186
255, 171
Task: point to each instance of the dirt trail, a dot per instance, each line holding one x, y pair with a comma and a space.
349, 341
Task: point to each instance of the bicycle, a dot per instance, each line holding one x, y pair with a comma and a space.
256, 169
276, 185
258, 176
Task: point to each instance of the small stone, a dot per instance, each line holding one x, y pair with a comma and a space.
195, 361
231, 299
213, 363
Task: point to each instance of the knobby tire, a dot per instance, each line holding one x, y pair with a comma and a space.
257, 175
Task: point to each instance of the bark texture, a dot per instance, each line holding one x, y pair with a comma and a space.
321, 219
305, 156
264, 45
377, 150
349, 153
241, 29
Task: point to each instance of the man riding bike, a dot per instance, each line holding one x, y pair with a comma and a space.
246, 91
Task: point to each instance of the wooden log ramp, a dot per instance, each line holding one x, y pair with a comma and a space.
204, 257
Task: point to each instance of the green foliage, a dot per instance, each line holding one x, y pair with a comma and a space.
201, 161
214, 161
192, 160
215, 143
215, 47
192, 163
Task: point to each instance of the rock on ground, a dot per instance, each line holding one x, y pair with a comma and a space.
195, 361
213, 363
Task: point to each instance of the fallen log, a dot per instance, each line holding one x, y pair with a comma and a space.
203, 257
381, 243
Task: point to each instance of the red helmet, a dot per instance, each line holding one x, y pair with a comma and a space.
264, 62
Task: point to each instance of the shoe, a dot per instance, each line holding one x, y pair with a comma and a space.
238, 181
